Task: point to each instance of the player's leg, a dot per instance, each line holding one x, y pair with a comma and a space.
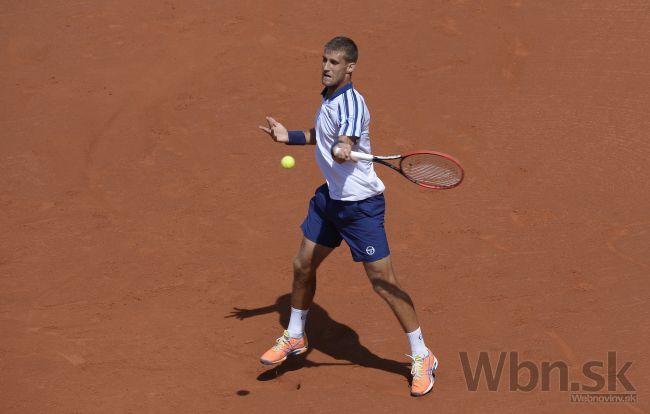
384, 282
310, 256
294, 341
320, 237
362, 226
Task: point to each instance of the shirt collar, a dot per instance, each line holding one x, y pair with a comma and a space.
337, 92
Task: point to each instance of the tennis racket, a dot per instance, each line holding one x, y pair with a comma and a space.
429, 169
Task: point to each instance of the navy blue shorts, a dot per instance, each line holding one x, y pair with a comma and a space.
360, 223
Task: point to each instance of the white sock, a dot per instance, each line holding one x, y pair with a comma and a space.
297, 322
417, 343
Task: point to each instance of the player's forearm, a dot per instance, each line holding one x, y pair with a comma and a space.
347, 140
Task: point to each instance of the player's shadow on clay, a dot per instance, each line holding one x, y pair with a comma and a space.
330, 337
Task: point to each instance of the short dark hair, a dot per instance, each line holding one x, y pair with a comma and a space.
346, 45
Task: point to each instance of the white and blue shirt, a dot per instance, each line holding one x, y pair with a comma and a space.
345, 113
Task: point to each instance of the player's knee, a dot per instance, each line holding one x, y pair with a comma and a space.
380, 287
302, 270
391, 293
387, 288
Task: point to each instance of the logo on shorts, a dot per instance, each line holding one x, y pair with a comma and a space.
370, 250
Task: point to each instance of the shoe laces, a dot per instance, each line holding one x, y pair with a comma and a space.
282, 342
416, 367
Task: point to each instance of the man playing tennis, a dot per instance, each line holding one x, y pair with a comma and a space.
349, 206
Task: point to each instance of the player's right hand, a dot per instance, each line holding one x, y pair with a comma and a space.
276, 130
341, 152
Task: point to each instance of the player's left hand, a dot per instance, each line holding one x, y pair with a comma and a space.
276, 130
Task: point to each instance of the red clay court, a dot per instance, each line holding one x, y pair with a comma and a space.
148, 228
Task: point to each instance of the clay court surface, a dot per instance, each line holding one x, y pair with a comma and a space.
140, 207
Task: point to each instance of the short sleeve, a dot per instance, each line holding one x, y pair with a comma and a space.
350, 113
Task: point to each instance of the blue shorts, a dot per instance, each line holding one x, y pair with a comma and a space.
360, 223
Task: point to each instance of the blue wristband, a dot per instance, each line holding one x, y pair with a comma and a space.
297, 138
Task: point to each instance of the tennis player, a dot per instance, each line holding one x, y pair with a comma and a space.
349, 206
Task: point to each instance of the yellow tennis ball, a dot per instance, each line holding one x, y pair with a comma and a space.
288, 162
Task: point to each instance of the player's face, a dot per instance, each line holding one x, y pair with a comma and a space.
336, 70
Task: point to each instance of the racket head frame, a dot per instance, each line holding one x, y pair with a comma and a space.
438, 154
383, 159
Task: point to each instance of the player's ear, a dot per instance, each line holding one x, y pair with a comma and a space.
350, 67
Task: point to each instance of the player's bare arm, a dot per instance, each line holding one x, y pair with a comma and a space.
279, 132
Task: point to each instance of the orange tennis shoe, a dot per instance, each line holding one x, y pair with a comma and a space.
423, 370
284, 346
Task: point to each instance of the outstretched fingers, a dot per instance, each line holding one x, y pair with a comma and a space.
276, 130
272, 123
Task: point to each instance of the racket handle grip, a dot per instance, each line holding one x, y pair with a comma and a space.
356, 156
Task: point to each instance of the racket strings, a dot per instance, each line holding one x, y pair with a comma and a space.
432, 170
